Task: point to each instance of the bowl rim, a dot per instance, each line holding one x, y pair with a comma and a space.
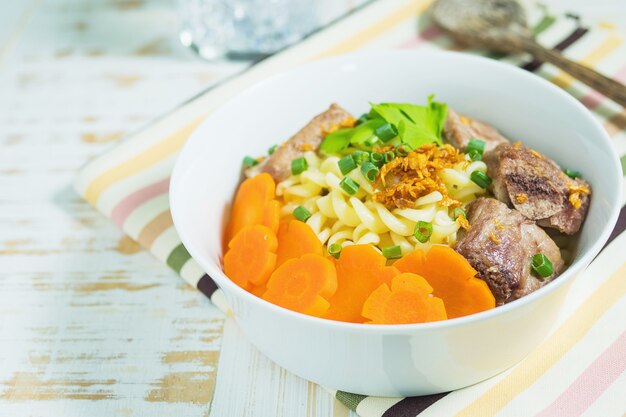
216, 273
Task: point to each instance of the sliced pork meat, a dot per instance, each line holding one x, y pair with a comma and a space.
535, 186
458, 130
309, 138
500, 245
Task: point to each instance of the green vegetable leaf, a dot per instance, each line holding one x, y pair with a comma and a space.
417, 125
338, 140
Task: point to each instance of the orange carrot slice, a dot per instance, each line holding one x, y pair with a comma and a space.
452, 278
303, 284
249, 207
360, 270
408, 301
251, 256
295, 239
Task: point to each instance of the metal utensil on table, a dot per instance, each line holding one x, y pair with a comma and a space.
500, 25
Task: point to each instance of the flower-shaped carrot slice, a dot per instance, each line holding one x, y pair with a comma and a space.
408, 301
452, 278
360, 270
254, 204
251, 256
304, 284
295, 239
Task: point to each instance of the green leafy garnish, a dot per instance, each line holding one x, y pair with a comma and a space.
338, 140
416, 125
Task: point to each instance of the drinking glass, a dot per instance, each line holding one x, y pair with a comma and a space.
215, 28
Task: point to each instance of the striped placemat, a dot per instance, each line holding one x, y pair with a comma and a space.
579, 370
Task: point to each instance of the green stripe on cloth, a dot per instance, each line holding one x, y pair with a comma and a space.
350, 400
545, 22
623, 161
177, 258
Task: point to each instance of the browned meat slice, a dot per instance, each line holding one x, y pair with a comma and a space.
278, 165
500, 245
458, 130
537, 188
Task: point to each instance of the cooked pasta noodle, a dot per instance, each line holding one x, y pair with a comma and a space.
337, 217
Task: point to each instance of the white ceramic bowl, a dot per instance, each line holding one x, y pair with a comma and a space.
392, 360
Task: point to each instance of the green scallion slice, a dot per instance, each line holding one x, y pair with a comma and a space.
299, 165
249, 161
346, 164
542, 265
458, 212
481, 179
362, 119
403, 150
371, 141
349, 185
389, 156
301, 213
272, 149
370, 171
572, 174
423, 231
475, 155
392, 252
377, 159
360, 157
477, 145
386, 132
335, 250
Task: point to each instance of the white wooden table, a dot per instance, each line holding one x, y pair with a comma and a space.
90, 325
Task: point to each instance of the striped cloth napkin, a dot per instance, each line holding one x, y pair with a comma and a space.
579, 370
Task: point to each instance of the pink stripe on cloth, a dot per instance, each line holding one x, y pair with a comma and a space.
429, 33
593, 99
132, 201
591, 383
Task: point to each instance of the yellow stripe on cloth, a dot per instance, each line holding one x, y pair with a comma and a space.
611, 43
409, 11
542, 359
139, 162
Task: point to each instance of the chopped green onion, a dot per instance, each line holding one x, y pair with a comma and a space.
369, 142
346, 164
370, 171
477, 145
392, 252
475, 155
335, 250
249, 161
301, 213
363, 118
349, 185
360, 157
572, 174
389, 156
272, 149
458, 212
423, 231
403, 150
481, 179
542, 265
299, 165
386, 132
377, 159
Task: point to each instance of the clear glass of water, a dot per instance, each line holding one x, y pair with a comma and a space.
246, 28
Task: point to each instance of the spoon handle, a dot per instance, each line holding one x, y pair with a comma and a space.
605, 85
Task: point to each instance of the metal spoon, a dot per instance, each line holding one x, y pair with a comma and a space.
501, 25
